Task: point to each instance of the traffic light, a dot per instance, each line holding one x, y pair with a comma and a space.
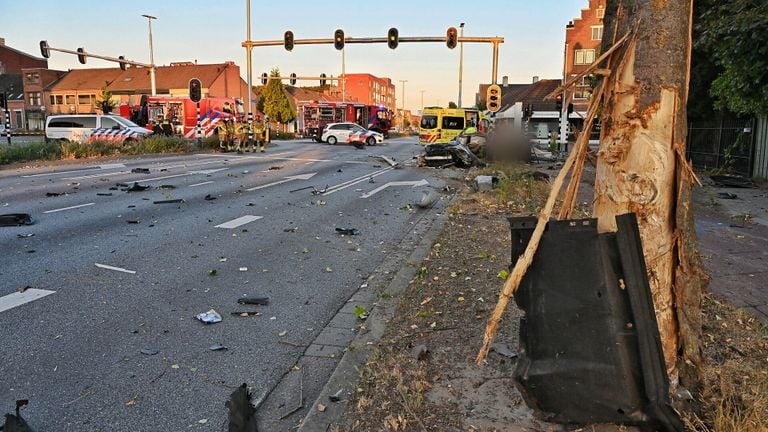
3, 103
393, 38
570, 108
322, 79
451, 37
293, 79
264, 79
288, 40
338, 39
528, 110
493, 99
559, 103
195, 90
44, 49
123, 65
81, 55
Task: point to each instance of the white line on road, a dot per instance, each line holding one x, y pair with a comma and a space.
100, 167
233, 157
285, 180
109, 267
201, 172
13, 300
354, 181
69, 208
421, 182
200, 184
239, 221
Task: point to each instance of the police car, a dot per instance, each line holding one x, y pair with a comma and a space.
350, 133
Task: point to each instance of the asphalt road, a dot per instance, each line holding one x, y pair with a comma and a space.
76, 352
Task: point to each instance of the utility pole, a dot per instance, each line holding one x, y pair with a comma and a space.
152, 68
249, 70
461, 60
343, 75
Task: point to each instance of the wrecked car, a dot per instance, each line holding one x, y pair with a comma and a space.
462, 152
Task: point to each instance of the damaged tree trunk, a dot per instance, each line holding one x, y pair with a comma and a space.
641, 167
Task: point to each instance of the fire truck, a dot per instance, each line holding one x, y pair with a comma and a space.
313, 117
182, 114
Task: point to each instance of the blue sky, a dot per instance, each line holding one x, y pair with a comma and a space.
212, 31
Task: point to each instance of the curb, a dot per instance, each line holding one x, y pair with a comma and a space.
347, 373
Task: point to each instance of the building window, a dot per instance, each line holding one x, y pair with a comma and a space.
582, 92
33, 77
597, 33
84, 99
601, 12
70, 99
34, 98
57, 99
584, 56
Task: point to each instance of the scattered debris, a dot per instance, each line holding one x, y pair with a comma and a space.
388, 160
209, 197
275, 168
15, 423
135, 187
121, 184
292, 229
210, 317
150, 351
540, 176
245, 313
348, 231
406, 207
250, 204
732, 181
336, 397
339, 170
300, 405
259, 301
243, 269
23, 289
25, 235
328, 270
371, 180
301, 189
212, 272
727, 195
167, 186
104, 193
52, 194
140, 170
420, 352
321, 407
217, 347
485, 183
133, 221
503, 349
428, 199
169, 201
318, 192
360, 312
15, 219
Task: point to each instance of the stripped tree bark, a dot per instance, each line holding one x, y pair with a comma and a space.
641, 168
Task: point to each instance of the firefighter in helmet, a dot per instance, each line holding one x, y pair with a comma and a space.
241, 135
258, 130
267, 132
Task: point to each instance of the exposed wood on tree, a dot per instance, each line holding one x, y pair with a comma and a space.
640, 168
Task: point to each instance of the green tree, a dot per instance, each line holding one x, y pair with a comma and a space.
276, 103
729, 39
452, 105
105, 103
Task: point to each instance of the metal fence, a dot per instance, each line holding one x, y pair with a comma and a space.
761, 148
725, 145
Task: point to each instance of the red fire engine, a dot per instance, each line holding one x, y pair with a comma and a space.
313, 117
181, 114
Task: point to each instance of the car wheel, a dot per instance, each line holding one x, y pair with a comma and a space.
371, 141
332, 140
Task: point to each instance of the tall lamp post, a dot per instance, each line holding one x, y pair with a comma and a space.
461, 60
402, 109
151, 55
249, 70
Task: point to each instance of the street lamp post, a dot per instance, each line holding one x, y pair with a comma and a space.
249, 70
151, 55
402, 109
461, 60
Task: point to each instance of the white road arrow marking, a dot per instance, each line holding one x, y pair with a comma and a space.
421, 182
239, 222
13, 300
285, 180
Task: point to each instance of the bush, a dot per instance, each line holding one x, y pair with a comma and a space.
29, 152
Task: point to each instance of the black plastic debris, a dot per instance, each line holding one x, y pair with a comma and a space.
103, 194
15, 219
242, 414
727, 195
113, 188
318, 191
259, 301
52, 194
150, 351
121, 184
15, 423
140, 170
169, 201
590, 350
503, 350
336, 397
133, 221
167, 186
275, 167
209, 197
348, 231
136, 187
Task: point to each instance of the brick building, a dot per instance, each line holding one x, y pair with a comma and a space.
12, 64
12, 61
35, 81
583, 37
371, 90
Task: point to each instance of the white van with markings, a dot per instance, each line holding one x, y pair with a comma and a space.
92, 127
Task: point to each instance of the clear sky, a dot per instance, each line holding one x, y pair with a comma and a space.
212, 31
